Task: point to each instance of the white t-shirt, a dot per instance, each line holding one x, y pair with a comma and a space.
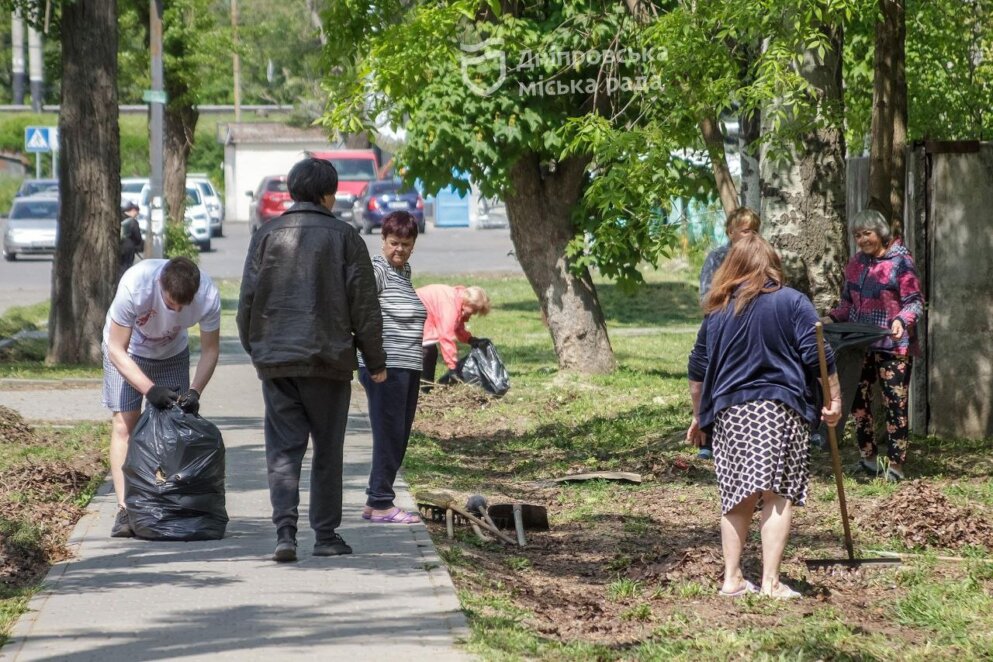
156, 331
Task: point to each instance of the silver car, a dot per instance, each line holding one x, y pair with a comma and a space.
32, 227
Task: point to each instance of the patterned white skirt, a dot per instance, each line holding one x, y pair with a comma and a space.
761, 445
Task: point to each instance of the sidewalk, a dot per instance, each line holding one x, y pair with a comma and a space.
127, 599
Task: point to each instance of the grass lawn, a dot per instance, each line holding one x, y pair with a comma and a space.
631, 571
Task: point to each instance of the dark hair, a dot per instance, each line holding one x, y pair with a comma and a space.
128, 206
751, 264
181, 279
312, 179
400, 224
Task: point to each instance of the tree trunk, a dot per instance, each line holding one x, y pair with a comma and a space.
89, 172
713, 138
179, 134
803, 194
749, 132
538, 207
887, 169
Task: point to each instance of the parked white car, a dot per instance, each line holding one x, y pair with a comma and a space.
212, 201
32, 226
131, 189
196, 218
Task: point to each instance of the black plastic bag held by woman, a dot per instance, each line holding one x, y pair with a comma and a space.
483, 367
174, 477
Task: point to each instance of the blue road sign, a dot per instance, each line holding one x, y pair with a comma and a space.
39, 138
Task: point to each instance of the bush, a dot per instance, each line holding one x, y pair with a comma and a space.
178, 242
8, 187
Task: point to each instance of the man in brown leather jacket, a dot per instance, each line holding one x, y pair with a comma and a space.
308, 300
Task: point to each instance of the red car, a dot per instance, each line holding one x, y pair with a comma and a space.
356, 168
269, 200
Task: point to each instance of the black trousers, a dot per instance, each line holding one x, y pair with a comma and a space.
392, 406
296, 409
429, 354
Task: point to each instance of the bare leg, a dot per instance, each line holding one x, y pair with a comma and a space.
734, 531
777, 511
122, 424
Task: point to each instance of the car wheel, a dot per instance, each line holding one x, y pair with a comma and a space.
367, 227
10, 257
205, 246
422, 228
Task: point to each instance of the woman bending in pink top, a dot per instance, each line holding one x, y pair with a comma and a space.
449, 308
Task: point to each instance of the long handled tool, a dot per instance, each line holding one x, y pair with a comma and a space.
851, 561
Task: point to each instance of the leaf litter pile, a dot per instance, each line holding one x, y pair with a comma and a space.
38, 506
641, 557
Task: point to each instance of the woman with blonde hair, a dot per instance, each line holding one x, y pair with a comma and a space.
754, 388
449, 308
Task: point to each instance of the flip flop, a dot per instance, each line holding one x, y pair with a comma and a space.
744, 590
395, 516
784, 592
366, 512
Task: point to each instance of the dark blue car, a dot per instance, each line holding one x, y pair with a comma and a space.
385, 196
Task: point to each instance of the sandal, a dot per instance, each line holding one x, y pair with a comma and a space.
367, 512
395, 516
747, 588
784, 592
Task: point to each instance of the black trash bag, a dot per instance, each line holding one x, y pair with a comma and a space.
481, 367
174, 477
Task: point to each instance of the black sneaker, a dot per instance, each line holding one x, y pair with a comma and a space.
286, 545
122, 525
333, 545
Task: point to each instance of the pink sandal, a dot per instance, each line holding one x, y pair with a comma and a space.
395, 516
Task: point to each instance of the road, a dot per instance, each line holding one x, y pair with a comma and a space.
438, 251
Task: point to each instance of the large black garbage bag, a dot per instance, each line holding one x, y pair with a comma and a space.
483, 367
174, 477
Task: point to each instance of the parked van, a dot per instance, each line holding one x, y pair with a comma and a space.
356, 168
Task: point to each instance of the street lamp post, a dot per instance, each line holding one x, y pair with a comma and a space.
156, 101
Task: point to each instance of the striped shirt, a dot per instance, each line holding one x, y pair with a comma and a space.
403, 315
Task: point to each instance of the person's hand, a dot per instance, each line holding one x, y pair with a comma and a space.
161, 397
896, 328
695, 436
831, 414
190, 401
378, 377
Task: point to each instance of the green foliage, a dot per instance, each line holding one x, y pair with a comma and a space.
8, 187
178, 242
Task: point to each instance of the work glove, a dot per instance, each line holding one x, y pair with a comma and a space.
190, 401
479, 343
161, 397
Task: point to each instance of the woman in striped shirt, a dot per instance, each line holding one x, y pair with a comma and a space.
392, 403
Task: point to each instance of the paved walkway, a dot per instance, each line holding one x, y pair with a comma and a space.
127, 599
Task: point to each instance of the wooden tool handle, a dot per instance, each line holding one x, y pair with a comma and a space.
833, 442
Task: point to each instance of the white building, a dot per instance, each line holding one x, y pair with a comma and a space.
257, 149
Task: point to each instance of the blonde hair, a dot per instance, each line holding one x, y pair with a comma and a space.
743, 216
749, 266
478, 298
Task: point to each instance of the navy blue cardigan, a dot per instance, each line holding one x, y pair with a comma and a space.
768, 352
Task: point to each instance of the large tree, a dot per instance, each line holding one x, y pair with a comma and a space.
89, 174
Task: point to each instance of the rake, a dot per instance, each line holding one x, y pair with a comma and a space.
851, 561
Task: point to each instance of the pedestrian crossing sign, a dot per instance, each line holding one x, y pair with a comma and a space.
40, 138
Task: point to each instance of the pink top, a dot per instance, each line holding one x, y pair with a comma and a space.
445, 321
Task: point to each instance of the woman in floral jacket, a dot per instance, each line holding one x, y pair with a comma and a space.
882, 289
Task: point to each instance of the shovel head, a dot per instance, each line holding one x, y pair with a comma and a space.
535, 517
851, 564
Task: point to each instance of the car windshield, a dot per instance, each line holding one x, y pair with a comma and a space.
380, 188
354, 170
132, 187
39, 209
205, 189
33, 187
277, 185
193, 196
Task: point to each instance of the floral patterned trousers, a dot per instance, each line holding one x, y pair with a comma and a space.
893, 373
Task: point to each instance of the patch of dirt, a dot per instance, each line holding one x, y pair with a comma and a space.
13, 429
38, 508
919, 515
437, 410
